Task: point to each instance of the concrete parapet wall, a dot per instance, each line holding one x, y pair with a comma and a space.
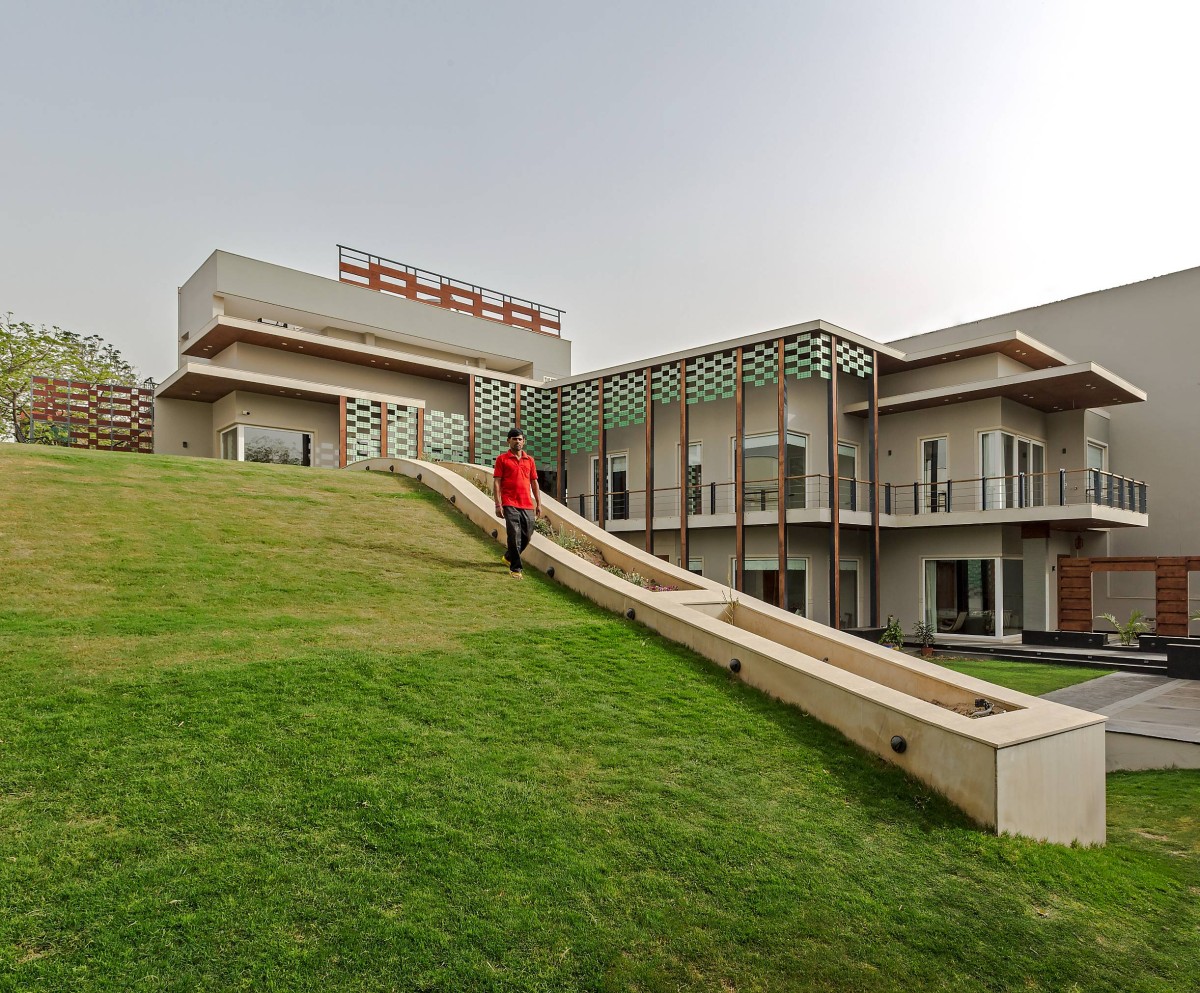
1035, 770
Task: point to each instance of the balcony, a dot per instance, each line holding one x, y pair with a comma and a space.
1071, 499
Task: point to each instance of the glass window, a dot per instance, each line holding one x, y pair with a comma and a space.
960, 595
1097, 456
847, 469
229, 444
934, 474
276, 446
762, 581
849, 593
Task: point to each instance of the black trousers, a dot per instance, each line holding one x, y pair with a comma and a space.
518, 522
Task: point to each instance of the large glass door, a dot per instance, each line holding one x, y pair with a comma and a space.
847, 470
848, 569
615, 486
934, 475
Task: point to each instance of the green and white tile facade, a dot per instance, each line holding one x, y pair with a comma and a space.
495, 413
364, 423
539, 421
401, 432
625, 400
808, 355
664, 383
446, 436
760, 364
712, 377
580, 417
853, 359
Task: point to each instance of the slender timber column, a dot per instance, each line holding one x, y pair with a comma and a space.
874, 457
684, 560
781, 466
342, 430
420, 432
835, 497
649, 464
471, 418
739, 472
601, 463
560, 482
383, 439
517, 407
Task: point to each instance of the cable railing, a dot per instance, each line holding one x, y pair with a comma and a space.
1064, 488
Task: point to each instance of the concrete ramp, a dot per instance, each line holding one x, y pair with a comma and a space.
1033, 767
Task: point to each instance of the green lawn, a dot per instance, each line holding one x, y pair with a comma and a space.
1035, 678
280, 729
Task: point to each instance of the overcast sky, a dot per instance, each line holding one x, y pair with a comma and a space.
668, 173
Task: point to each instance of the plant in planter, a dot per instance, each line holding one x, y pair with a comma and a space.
1127, 633
923, 633
893, 634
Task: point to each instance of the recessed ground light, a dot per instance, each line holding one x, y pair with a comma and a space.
195, 393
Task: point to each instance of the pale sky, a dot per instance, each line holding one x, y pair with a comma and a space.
669, 173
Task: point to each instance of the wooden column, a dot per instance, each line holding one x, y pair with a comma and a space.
649, 462
739, 472
342, 431
517, 407
420, 432
560, 482
873, 455
835, 538
683, 466
781, 422
601, 466
383, 412
471, 418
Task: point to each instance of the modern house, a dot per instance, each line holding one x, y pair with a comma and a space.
812, 467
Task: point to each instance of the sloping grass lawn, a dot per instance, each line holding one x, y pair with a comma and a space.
1034, 678
280, 729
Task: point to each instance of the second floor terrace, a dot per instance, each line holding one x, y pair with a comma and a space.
1071, 499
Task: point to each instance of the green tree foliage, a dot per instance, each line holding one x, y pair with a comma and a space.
27, 351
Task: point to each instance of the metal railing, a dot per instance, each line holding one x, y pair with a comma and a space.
387, 276
1064, 488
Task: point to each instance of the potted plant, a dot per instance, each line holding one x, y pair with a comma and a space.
923, 635
893, 634
1127, 633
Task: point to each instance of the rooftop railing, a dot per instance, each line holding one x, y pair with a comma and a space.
386, 276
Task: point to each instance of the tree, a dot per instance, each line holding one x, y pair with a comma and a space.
27, 351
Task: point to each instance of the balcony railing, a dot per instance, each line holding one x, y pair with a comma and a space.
1065, 488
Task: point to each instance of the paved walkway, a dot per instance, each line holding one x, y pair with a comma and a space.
1154, 706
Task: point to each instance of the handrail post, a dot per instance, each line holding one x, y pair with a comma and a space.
916, 498
712, 497
1109, 488
949, 494
1020, 490
1062, 487
887, 497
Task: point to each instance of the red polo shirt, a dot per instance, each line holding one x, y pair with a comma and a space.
513, 477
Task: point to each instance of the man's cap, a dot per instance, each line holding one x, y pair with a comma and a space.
515, 433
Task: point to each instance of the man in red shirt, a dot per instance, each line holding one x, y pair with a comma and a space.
518, 499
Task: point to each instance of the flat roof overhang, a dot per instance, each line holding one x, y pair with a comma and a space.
224, 331
1073, 387
206, 383
1015, 344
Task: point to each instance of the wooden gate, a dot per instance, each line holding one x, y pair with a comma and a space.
1170, 588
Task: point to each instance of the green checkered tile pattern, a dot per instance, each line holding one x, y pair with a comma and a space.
808, 355
495, 413
854, 359
364, 420
664, 383
401, 432
580, 418
760, 364
625, 400
446, 436
712, 377
539, 421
